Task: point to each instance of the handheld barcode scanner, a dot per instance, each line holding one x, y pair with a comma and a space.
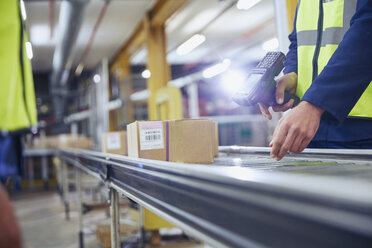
260, 84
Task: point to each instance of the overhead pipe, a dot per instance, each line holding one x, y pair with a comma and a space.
81, 64
70, 20
51, 18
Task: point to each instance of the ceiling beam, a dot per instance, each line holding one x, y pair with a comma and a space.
157, 16
163, 10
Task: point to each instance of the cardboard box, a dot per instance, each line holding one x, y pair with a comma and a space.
115, 142
63, 141
215, 139
103, 232
74, 141
185, 141
45, 142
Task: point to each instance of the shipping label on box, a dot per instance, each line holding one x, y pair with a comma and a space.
113, 141
151, 135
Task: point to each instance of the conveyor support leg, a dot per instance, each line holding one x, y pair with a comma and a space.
115, 218
80, 207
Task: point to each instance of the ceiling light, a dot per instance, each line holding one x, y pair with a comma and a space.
146, 73
189, 45
216, 69
29, 52
270, 45
97, 78
40, 35
23, 10
246, 4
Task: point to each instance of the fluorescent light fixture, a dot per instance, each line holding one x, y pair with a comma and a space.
146, 73
216, 69
40, 35
189, 45
270, 45
29, 52
246, 4
97, 78
233, 81
23, 10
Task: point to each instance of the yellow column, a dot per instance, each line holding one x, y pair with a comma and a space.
291, 10
156, 63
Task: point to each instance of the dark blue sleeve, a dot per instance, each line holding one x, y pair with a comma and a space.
290, 64
348, 73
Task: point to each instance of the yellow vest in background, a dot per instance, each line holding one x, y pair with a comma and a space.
17, 96
336, 21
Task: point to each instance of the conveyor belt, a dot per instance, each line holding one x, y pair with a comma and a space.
246, 199
358, 170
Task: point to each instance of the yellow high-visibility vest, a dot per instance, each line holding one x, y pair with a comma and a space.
17, 96
316, 46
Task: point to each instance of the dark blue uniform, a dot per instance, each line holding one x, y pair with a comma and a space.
339, 86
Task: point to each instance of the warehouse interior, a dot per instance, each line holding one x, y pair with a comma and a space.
141, 141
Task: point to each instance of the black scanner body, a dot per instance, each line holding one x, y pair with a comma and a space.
260, 84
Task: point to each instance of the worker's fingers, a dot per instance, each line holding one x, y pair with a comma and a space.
304, 143
265, 110
284, 107
279, 92
287, 144
279, 136
295, 148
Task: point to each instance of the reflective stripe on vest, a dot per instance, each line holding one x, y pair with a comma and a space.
333, 16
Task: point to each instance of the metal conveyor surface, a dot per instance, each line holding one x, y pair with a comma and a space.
246, 199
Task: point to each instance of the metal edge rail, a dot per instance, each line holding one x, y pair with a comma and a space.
244, 208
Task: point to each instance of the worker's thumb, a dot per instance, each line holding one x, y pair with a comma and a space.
279, 92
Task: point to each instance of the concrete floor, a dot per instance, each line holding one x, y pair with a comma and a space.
42, 220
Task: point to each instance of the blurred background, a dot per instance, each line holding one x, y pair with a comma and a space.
77, 47
99, 65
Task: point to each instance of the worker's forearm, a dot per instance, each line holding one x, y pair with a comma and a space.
10, 235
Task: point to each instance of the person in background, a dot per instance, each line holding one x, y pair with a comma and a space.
329, 67
17, 109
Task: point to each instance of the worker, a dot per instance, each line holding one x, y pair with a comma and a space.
17, 108
329, 67
17, 97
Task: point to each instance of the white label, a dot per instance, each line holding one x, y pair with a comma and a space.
113, 141
151, 135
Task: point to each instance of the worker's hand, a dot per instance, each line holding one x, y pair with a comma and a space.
295, 130
10, 234
288, 82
